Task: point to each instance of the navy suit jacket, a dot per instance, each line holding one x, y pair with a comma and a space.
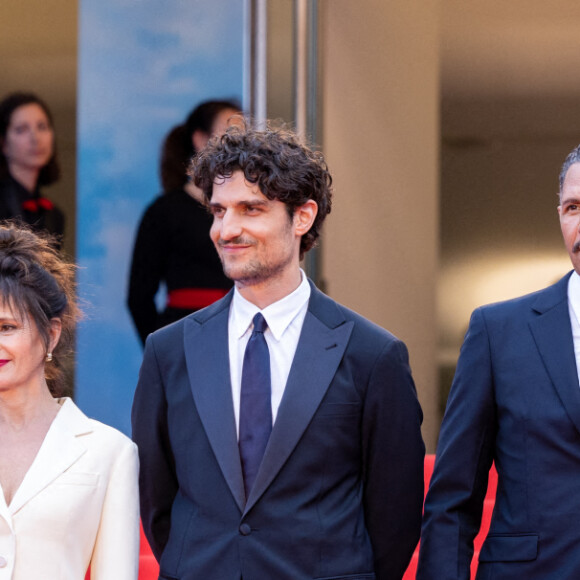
339, 491
515, 399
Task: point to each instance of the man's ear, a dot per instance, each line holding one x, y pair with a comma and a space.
304, 217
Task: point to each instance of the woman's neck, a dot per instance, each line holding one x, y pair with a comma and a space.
26, 176
18, 409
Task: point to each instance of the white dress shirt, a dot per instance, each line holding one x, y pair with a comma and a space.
285, 319
574, 308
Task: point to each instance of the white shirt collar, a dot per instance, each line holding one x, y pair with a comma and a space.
574, 293
278, 315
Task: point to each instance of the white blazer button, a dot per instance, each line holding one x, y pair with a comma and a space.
3, 562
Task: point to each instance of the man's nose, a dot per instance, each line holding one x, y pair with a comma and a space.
231, 226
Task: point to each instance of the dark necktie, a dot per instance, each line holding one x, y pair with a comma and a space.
255, 403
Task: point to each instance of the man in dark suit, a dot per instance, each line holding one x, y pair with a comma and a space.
279, 432
515, 400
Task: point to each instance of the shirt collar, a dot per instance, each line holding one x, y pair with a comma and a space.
278, 315
574, 292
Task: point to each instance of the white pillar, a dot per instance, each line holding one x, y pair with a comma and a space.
380, 89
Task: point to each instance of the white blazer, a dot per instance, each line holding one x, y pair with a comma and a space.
76, 506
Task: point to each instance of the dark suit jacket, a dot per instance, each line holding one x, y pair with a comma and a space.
515, 399
339, 491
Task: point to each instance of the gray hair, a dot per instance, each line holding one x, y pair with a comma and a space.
573, 157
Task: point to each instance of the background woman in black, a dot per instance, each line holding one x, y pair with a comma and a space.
172, 244
27, 162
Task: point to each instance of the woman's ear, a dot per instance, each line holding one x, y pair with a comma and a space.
55, 330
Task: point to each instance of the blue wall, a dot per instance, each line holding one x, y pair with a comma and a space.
143, 64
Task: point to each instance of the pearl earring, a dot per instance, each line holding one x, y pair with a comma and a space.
48, 357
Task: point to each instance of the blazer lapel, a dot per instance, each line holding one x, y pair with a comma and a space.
59, 450
553, 335
323, 340
208, 367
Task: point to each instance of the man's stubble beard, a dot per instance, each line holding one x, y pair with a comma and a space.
254, 272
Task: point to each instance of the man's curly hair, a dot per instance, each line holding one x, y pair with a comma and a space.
276, 161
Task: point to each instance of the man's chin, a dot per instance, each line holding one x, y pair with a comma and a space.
246, 276
236, 274
244, 280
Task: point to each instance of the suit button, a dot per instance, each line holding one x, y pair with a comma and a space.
245, 529
3, 562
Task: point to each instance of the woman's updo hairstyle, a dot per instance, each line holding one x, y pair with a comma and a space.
36, 282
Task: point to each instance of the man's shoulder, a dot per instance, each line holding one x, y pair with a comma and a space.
175, 331
540, 300
330, 311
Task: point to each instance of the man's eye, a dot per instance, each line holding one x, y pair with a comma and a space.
217, 211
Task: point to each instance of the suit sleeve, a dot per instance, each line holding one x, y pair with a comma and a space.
116, 551
393, 456
465, 451
157, 479
148, 266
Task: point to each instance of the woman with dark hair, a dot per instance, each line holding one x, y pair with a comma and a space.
172, 244
68, 484
28, 160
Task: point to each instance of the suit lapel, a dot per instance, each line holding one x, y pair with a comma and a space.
553, 336
208, 366
59, 450
323, 340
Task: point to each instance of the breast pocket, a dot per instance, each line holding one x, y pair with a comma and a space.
334, 410
77, 478
70, 499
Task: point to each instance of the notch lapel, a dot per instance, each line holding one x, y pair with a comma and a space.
59, 450
208, 367
321, 347
552, 333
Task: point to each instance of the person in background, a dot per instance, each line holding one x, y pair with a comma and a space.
172, 244
68, 484
28, 160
